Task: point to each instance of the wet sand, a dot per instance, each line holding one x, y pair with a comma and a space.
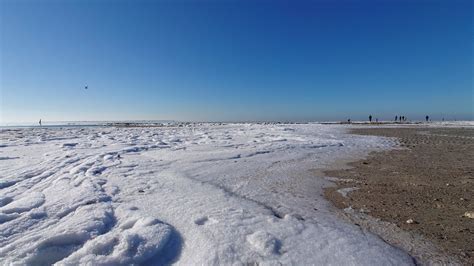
429, 180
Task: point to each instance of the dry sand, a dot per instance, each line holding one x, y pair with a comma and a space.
429, 180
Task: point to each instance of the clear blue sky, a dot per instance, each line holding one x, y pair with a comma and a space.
235, 60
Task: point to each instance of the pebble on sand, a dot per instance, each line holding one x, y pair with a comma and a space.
469, 214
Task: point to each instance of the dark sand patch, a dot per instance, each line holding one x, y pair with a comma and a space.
430, 180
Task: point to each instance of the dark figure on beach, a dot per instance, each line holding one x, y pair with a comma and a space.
349, 120
396, 118
370, 118
400, 117
39, 122
427, 118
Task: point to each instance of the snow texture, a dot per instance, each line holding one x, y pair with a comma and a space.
201, 194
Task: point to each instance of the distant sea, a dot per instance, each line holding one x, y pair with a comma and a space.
51, 124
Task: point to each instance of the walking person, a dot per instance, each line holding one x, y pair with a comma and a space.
427, 118
396, 118
39, 122
370, 118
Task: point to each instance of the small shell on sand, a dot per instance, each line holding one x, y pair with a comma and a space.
469, 214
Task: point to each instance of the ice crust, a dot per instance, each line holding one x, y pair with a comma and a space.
197, 195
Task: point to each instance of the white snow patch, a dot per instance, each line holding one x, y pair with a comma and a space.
25, 203
202, 194
264, 243
347, 190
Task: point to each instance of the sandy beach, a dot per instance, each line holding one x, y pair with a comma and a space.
236, 133
425, 187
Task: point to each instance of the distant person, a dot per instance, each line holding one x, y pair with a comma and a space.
349, 120
370, 118
396, 118
39, 122
427, 118
400, 118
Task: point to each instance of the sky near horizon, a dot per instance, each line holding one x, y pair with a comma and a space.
235, 60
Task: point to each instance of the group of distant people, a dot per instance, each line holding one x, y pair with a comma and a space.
370, 119
398, 118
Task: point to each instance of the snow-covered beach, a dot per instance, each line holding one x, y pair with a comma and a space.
201, 194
